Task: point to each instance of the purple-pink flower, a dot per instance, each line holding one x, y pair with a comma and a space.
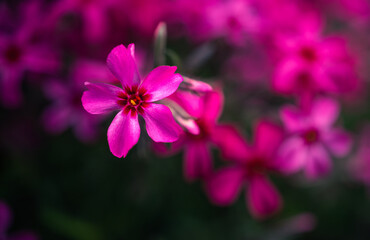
250, 168
312, 64
19, 53
310, 136
135, 98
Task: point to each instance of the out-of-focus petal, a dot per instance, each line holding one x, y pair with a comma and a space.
197, 160
324, 112
338, 141
268, 137
95, 23
291, 155
231, 143
293, 120
224, 185
161, 82
100, 98
123, 134
24, 236
212, 106
56, 119
262, 197
318, 162
160, 124
123, 66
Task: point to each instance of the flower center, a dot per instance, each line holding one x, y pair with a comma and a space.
12, 54
311, 136
256, 166
134, 100
309, 54
303, 80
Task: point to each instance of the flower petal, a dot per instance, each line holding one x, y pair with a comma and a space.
212, 106
123, 66
324, 112
231, 143
161, 82
197, 160
318, 162
268, 137
338, 141
224, 185
160, 124
263, 198
100, 98
291, 155
293, 119
123, 134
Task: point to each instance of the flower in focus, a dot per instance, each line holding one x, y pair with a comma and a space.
250, 169
66, 108
311, 135
5, 219
19, 53
135, 97
205, 132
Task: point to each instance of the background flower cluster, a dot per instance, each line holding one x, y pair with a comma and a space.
271, 139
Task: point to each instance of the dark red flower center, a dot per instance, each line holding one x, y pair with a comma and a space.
233, 23
309, 54
256, 166
133, 100
311, 136
303, 80
13, 54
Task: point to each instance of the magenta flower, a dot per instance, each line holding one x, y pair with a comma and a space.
311, 135
203, 133
135, 97
251, 164
19, 53
312, 64
66, 109
5, 220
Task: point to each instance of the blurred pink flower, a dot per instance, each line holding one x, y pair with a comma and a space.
359, 165
136, 97
311, 135
234, 20
19, 53
311, 64
5, 220
66, 109
204, 132
251, 163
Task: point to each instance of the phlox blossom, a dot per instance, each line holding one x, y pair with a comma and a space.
135, 98
250, 168
205, 133
310, 136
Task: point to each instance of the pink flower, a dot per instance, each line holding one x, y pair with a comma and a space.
251, 163
135, 97
66, 109
311, 135
311, 64
19, 53
203, 133
5, 220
